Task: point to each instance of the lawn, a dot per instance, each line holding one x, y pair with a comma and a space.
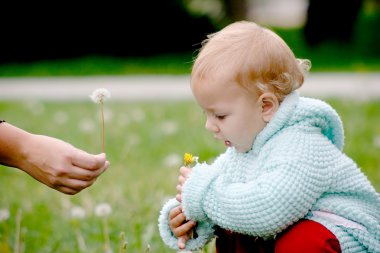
144, 143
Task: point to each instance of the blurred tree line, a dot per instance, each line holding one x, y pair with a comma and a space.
32, 31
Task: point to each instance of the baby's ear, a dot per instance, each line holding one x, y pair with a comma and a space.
269, 105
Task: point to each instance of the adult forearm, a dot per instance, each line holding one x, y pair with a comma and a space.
12, 141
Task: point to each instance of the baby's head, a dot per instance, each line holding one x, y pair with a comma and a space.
251, 56
240, 77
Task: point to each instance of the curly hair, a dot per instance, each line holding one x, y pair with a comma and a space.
253, 57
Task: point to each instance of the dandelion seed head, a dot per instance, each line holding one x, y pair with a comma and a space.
4, 214
169, 127
133, 140
172, 160
77, 212
60, 118
103, 210
100, 95
35, 107
138, 115
376, 141
86, 125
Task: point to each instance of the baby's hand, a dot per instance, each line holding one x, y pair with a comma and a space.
180, 227
184, 174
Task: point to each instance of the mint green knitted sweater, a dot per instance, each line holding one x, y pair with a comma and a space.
296, 166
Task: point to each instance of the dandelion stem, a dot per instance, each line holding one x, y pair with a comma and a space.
80, 240
147, 249
107, 246
123, 243
102, 115
17, 248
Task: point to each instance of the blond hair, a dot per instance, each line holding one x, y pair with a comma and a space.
253, 56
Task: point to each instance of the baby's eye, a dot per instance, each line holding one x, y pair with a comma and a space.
220, 117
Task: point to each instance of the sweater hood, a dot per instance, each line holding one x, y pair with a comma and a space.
305, 113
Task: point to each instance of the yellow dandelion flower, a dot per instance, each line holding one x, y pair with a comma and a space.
188, 159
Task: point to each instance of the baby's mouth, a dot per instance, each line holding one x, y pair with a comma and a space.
228, 143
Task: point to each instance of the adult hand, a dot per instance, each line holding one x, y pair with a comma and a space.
51, 161
59, 165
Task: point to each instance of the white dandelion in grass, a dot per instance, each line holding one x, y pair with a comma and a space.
169, 127
86, 125
4, 214
376, 141
77, 212
172, 160
103, 210
99, 96
60, 118
138, 115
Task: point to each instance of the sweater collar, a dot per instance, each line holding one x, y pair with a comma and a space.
282, 116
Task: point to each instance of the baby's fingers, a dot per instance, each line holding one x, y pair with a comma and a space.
181, 179
178, 197
185, 171
174, 212
182, 241
184, 229
179, 188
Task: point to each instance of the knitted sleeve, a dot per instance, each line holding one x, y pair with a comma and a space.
204, 230
295, 173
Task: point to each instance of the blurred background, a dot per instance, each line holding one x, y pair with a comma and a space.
334, 34
71, 45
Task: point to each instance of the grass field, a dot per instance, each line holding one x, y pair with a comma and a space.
144, 143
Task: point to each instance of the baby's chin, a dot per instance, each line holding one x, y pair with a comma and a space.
229, 144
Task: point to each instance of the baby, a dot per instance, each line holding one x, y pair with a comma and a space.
283, 184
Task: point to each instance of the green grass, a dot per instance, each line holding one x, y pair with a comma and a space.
101, 65
140, 138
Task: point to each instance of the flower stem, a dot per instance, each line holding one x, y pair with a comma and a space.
107, 246
102, 114
80, 240
17, 248
123, 243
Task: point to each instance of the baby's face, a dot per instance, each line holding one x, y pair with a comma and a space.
234, 115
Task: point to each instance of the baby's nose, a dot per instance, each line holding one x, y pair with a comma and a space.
210, 126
